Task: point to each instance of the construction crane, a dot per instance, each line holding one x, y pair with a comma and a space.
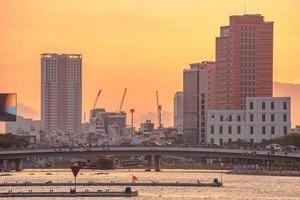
120, 109
95, 103
159, 108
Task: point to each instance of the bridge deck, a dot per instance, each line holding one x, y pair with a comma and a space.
174, 184
182, 151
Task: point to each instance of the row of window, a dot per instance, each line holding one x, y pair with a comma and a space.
248, 28
212, 140
251, 117
248, 83
248, 76
212, 130
248, 40
251, 130
247, 46
247, 52
248, 58
248, 34
248, 64
263, 105
272, 117
246, 72
229, 118
247, 89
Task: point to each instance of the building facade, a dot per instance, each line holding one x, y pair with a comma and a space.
244, 61
25, 127
147, 127
178, 111
264, 118
106, 127
199, 96
61, 96
109, 118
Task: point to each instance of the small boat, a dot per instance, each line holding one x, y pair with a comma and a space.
6, 174
100, 173
49, 173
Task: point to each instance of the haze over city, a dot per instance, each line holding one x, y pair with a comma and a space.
141, 45
150, 99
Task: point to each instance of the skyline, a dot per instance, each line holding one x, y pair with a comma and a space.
143, 47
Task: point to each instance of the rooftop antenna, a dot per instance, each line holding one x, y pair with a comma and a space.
245, 7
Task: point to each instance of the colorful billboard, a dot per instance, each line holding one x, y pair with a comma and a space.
8, 107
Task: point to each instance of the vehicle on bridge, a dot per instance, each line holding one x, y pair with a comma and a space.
273, 147
131, 162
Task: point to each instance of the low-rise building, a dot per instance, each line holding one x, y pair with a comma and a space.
25, 127
106, 127
263, 119
146, 127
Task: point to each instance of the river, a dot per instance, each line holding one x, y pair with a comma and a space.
239, 187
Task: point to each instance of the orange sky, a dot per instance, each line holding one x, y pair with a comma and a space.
140, 44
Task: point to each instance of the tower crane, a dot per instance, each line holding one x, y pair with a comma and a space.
159, 108
122, 101
95, 103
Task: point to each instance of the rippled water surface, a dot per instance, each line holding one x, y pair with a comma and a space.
235, 186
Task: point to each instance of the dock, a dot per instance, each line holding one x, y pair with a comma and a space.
112, 183
69, 194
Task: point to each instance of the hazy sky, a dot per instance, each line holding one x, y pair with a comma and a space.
140, 44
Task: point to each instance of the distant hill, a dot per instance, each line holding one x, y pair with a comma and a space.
293, 91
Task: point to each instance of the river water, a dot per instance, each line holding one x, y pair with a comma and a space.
240, 187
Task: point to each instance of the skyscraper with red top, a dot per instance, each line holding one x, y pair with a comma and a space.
244, 61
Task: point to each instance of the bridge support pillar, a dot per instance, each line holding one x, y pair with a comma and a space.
157, 163
148, 163
19, 165
6, 165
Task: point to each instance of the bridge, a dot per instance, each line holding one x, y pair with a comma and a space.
17, 156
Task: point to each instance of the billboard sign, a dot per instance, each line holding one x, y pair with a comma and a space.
8, 107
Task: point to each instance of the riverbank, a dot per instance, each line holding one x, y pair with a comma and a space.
264, 173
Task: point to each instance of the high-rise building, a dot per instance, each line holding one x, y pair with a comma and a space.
199, 96
61, 96
244, 61
178, 110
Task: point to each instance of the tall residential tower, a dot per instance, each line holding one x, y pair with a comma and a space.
61, 96
244, 61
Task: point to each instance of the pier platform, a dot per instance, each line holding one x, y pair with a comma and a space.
112, 183
68, 194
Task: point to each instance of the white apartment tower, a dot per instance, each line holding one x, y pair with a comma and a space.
61, 96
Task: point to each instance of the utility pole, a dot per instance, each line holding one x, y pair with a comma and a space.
132, 129
159, 108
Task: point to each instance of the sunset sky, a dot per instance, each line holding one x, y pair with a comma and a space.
140, 44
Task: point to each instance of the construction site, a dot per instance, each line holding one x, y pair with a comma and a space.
106, 128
